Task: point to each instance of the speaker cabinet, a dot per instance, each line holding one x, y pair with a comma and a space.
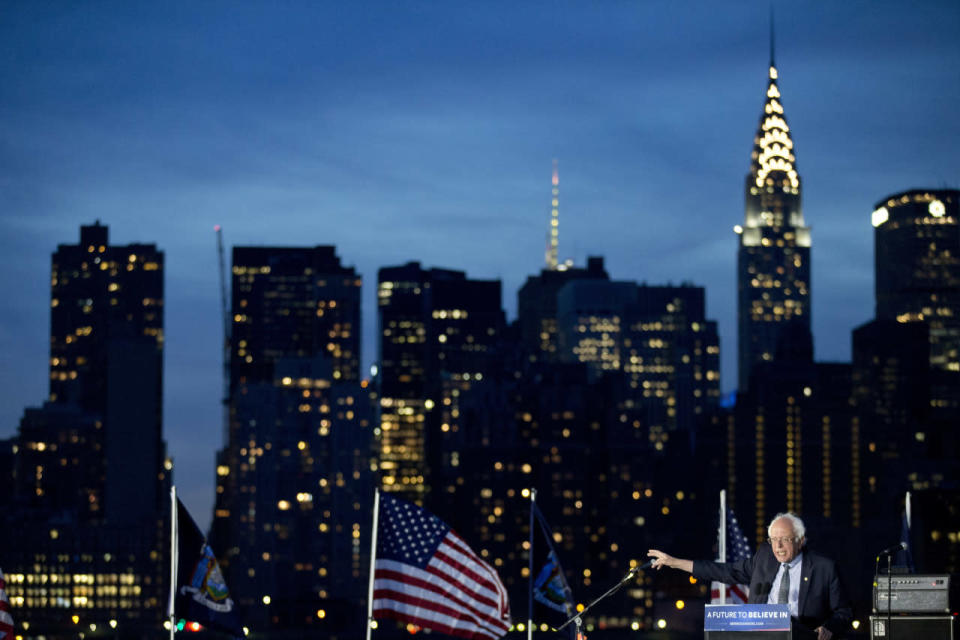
912, 628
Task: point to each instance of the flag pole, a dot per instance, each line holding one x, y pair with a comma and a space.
174, 559
373, 559
722, 551
533, 502
909, 523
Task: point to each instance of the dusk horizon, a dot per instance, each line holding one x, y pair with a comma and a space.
426, 134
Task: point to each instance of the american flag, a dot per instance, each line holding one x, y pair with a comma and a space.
425, 574
738, 548
6, 620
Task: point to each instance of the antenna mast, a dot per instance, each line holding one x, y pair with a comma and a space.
552, 261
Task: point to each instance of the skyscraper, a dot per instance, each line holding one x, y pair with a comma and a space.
293, 481
917, 266
537, 298
773, 261
89, 511
591, 320
106, 357
657, 341
537, 307
907, 360
793, 434
439, 332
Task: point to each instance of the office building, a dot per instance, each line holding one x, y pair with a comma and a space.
106, 357
439, 334
294, 483
671, 358
917, 274
537, 307
906, 394
87, 524
773, 260
793, 432
655, 339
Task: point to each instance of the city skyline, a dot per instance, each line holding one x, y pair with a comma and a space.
428, 134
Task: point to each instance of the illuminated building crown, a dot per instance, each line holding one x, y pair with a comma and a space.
773, 163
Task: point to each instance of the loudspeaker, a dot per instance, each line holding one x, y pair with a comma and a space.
914, 593
912, 627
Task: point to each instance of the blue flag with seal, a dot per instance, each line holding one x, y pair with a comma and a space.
201, 595
550, 587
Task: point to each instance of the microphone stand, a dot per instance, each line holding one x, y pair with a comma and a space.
876, 595
889, 593
576, 618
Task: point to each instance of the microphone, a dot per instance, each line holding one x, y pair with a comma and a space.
900, 546
640, 568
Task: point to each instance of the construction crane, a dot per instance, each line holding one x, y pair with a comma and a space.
225, 311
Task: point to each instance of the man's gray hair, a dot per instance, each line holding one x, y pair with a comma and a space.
799, 530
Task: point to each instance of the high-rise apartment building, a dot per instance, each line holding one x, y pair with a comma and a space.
773, 261
656, 340
294, 487
89, 509
537, 307
671, 358
106, 357
591, 321
293, 302
438, 337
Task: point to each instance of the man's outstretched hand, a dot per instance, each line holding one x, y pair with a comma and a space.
661, 559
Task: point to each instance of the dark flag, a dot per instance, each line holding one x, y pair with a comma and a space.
550, 587
903, 557
202, 595
6, 620
426, 575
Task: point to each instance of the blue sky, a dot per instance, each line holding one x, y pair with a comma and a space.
425, 131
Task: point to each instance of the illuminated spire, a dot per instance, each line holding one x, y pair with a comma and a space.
772, 63
552, 262
773, 163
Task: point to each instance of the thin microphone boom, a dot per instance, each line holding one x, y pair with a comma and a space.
641, 567
901, 546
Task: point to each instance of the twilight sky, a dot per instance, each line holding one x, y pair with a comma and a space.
412, 130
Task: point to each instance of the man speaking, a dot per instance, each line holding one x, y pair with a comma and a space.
782, 573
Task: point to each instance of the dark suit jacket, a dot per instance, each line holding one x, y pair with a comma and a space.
823, 600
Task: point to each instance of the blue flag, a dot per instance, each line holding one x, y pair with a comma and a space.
550, 587
904, 558
202, 595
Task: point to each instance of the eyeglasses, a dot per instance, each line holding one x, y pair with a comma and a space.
774, 541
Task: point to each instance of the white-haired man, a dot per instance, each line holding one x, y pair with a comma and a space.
782, 572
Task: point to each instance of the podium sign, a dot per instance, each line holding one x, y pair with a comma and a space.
749, 621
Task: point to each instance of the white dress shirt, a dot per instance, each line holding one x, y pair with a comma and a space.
793, 598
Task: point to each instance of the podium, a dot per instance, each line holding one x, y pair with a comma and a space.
747, 622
